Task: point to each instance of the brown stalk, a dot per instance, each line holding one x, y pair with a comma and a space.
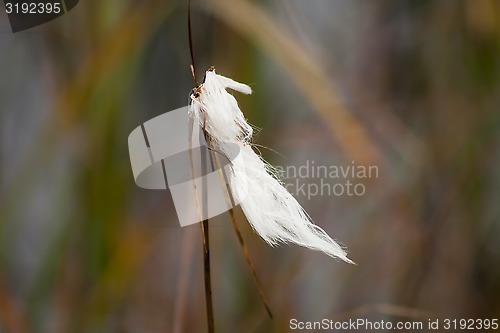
244, 248
206, 240
248, 259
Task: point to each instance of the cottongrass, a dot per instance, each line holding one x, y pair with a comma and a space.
271, 210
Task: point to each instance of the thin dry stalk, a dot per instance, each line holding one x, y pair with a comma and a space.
206, 242
244, 248
207, 276
250, 264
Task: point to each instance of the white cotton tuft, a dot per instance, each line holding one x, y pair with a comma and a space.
219, 111
270, 209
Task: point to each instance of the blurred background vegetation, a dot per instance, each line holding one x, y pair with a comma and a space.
410, 86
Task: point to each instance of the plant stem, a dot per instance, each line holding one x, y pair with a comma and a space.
244, 248
205, 235
207, 276
246, 253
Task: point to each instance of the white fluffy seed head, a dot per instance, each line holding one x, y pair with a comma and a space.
271, 210
219, 111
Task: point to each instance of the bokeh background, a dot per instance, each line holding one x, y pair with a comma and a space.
409, 86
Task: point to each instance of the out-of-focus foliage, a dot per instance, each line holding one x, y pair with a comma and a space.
409, 86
